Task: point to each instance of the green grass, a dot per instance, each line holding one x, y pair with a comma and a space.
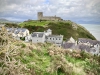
64, 28
34, 23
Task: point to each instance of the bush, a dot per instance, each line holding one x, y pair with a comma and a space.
84, 55
22, 38
23, 45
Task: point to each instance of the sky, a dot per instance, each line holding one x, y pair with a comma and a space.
79, 11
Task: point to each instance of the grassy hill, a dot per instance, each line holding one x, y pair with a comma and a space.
65, 28
20, 58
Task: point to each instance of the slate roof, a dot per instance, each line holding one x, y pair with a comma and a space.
40, 34
84, 47
21, 29
95, 42
85, 40
16, 30
68, 45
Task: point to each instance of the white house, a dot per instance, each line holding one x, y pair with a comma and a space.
18, 32
48, 32
56, 39
28, 38
71, 40
38, 37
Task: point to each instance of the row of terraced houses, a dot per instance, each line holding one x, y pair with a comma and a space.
83, 44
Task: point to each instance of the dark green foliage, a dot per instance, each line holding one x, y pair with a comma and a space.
34, 28
23, 45
22, 38
82, 33
12, 25
85, 55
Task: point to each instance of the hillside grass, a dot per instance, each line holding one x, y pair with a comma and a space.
34, 23
57, 27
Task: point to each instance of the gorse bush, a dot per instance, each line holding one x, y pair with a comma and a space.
23, 45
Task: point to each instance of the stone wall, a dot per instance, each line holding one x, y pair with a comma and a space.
41, 17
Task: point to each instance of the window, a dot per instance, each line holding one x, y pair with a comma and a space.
53, 38
97, 45
50, 38
56, 38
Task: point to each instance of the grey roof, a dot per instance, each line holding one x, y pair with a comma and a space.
21, 29
85, 40
57, 36
40, 34
68, 45
93, 50
16, 30
84, 47
95, 42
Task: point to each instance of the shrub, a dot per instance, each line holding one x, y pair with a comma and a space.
85, 55
23, 45
22, 38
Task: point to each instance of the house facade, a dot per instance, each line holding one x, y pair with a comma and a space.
38, 37
56, 39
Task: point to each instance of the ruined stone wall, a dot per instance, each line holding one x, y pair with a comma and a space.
50, 18
41, 17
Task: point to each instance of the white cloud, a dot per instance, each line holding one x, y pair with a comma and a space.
67, 9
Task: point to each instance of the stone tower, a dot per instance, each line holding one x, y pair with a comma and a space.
40, 15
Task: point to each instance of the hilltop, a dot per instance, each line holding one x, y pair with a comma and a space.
66, 28
7, 21
20, 58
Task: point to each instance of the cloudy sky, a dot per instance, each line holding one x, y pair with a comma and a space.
80, 11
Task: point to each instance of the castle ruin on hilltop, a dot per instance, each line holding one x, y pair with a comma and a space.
52, 18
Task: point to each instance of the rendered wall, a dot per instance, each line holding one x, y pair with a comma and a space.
54, 40
38, 39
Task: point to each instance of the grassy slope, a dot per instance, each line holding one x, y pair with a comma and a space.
64, 28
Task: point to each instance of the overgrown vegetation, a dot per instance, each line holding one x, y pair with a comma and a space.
64, 28
20, 58
12, 25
